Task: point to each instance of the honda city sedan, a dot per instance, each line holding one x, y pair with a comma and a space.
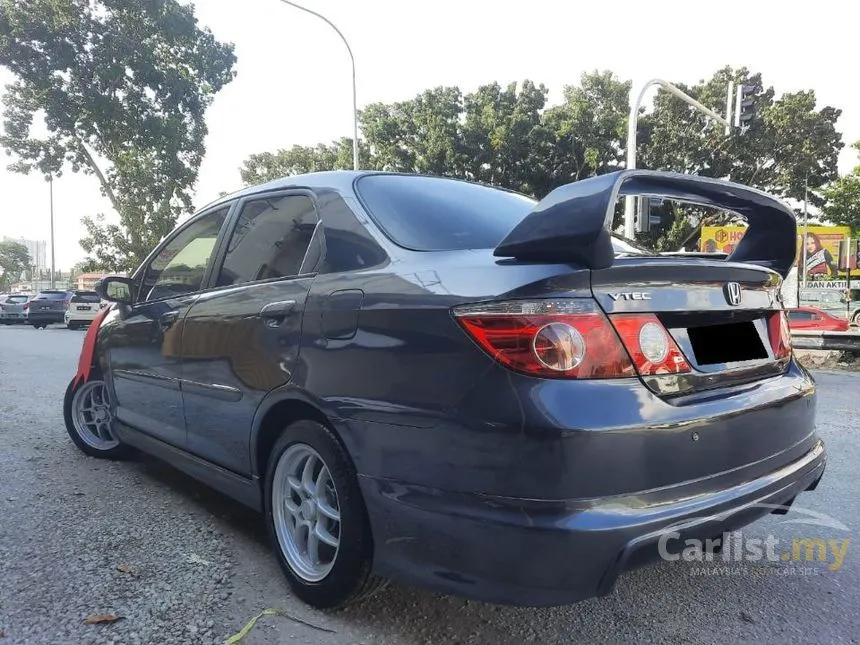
456, 386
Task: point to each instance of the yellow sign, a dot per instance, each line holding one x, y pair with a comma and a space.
827, 252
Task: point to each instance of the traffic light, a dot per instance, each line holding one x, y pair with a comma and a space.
645, 215
745, 105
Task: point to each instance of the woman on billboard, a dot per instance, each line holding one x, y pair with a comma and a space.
818, 259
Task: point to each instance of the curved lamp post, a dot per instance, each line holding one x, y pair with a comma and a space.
352, 60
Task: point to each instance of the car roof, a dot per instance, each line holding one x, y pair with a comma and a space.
339, 180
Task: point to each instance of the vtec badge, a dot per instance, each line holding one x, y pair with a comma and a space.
631, 295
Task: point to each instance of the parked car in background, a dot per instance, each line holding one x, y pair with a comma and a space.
83, 307
812, 319
455, 385
12, 308
47, 307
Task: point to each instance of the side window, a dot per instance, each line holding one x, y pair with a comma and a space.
180, 266
799, 316
271, 239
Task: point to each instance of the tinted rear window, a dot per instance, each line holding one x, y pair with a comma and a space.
436, 214
86, 296
16, 300
52, 295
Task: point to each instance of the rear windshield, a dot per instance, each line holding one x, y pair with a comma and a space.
51, 295
16, 300
436, 214
86, 296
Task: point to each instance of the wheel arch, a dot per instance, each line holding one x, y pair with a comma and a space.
279, 409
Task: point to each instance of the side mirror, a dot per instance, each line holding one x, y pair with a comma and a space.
115, 289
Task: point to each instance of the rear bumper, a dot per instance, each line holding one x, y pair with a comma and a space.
538, 553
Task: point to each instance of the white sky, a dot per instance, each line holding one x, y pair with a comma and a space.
293, 83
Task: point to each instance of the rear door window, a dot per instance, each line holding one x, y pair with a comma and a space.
271, 239
437, 214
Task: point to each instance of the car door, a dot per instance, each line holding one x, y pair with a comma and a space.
143, 345
241, 339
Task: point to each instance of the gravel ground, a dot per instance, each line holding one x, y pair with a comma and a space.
182, 564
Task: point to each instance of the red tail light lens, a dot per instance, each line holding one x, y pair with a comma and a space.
780, 335
548, 338
26, 306
653, 350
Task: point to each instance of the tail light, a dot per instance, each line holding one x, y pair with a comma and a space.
653, 350
26, 306
548, 338
780, 335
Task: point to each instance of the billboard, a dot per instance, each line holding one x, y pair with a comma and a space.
830, 252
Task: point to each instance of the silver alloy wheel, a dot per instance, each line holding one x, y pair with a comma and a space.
91, 415
305, 512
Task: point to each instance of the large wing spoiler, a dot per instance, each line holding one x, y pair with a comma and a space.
574, 222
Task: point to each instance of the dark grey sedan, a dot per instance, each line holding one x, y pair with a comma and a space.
457, 386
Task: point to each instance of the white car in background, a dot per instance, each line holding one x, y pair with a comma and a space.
83, 308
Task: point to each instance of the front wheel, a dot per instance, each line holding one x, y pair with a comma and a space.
89, 420
317, 519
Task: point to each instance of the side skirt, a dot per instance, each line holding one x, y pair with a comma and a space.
243, 490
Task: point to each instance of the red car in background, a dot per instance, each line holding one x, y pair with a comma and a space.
810, 318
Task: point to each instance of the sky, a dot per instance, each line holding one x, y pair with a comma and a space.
293, 75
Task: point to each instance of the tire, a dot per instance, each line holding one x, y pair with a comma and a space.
347, 577
92, 434
71, 325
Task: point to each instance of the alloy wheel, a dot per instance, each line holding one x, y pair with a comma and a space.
91, 416
306, 512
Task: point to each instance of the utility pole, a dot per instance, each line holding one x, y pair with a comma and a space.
51, 190
632, 124
805, 227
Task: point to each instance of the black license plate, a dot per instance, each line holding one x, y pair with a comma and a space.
44, 308
84, 308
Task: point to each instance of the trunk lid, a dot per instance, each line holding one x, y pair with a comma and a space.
718, 313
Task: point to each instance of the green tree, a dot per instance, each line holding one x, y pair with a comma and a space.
266, 166
122, 87
588, 130
842, 205
14, 260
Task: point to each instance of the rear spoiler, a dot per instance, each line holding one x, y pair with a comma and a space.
573, 224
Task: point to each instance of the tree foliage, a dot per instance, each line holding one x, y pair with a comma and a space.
842, 197
122, 87
14, 260
509, 136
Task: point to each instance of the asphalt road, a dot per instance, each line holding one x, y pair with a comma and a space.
182, 564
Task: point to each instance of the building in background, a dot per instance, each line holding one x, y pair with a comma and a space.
38, 250
87, 281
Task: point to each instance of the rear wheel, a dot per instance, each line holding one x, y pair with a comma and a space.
89, 420
71, 325
317, 519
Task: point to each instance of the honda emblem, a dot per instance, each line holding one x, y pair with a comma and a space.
733, 293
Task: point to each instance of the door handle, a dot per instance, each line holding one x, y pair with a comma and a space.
166, 320
274, 313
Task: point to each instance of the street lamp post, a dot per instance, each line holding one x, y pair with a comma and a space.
632, 124
51, 191
352, 61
